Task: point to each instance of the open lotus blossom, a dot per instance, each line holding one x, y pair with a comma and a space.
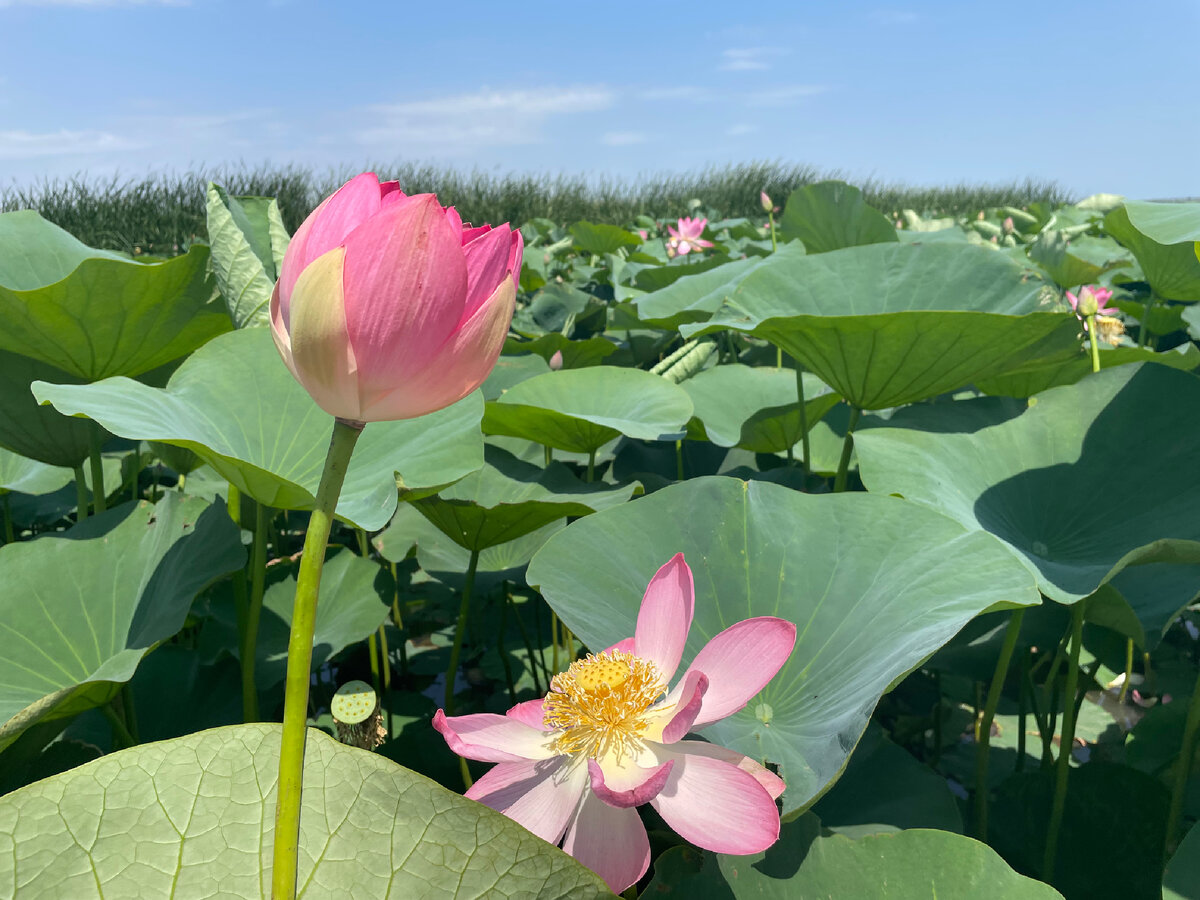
686, 238
388, 306
608, 737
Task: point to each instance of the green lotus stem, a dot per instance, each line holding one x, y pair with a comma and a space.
937, 718
679, 460
1066, 743
128, 712
461, 627
804, 449
81, 496
99, 498
241, 602
372, 654
548, 455
839, 481
533, 657
983, 738
387, 675
1128, 670
591, 469
508, 675
1144, 326
249, 632
398, 621
771, 220
779, 357
1094, 343
9, 536
179, 485
1022, 704
121, 733
1183, 767
554, 639
299, 661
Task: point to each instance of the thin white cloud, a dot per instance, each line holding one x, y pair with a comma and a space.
679, 93
785, 95
623, 138
740, 129
29, 145
499, 117
749, 59
892, 17
93, 4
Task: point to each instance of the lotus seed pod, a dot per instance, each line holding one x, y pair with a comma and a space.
353, 703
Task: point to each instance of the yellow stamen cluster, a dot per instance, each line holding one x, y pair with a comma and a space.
598, 703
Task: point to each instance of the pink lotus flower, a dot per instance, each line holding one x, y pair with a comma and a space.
388, 307
607, 738
687, 238
1099, 294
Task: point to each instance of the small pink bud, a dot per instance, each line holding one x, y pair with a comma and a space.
1007, 225
556, 360
1088, 305
643, 234
767, 205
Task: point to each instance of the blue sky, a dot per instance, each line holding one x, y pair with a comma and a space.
1094, 95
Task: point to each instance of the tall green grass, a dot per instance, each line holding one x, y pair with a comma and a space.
159, 213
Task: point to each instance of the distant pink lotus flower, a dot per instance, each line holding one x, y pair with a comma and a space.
607, 738
556, 360
388, 307
687, 238
1099, 294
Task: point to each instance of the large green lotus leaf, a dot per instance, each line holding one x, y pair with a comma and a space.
575, 354
248, 239
1141, 602
889, 324
755, 408
918, 864
80, 610
1166, 223
194, 817
832, 215
1074, 261
1069, 367
235, 405
693, 298
107, 315
510, 370
36, 431
1037, 480
1172, 269
509, 498
28, 476
874, 584
600, 238
1181, 880
582, 409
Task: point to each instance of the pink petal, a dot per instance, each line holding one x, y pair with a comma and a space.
542, 796
625, 645
283, 343
471, 233
530, 712
488, 737
716, 805
1073, 300
739, 662
611, 842
671, 231
325, 228
457, 368
389, 193
688, 706
665, 616
516, 256
771, 782
455, 222
628, 785
487, 265
406, 285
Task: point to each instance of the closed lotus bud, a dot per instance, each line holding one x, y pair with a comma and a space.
388, 306
1007, 225
556, 360
767, 206
1088, 305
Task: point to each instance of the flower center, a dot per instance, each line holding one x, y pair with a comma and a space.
597, 705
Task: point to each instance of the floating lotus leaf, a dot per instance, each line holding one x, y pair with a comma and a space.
831, 215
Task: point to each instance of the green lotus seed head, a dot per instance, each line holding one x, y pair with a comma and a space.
353, 703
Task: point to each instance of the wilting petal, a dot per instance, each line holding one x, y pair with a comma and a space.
405, 288
488, 737
460, 366
716, 805
739, 662
530, 712
322, 357
611, 842
542, 796
627, 784
771, 782
665, 616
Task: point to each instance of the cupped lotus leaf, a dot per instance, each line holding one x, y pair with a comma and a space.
235, 405
510, 370
1181, 880
1173, 270
889, 324
509, 498
104, 315
194, 817
80, 610
916, 864
1072, 366
1075, 261
1141, 602
656, 277
693, 298
874, 585
831, 215
248, 240
755, 408
1165, 223
599, 238
1037, 480
581, 410
28, 476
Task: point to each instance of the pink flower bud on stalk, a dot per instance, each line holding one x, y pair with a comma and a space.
1007, 225
388, 307
1091, 301
556, 361
767, 205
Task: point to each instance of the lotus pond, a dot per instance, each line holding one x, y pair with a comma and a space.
911, 504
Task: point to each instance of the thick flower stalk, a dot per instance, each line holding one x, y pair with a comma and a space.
388, 307
608, 737
687, 237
